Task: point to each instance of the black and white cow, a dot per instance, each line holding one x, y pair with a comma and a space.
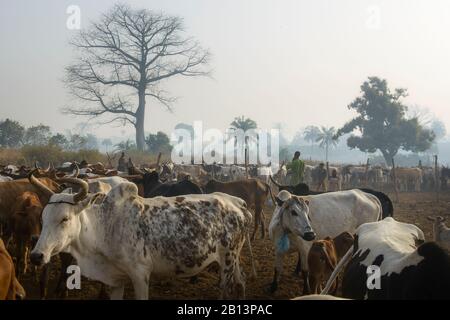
297, 221
119, 236
409, 268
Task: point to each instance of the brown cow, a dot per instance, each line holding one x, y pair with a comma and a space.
10, 190
25, 226
10, 288
253, 191
323, 257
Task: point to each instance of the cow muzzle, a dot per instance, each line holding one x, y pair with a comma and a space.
309, 236
37, 258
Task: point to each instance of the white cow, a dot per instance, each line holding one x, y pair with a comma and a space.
5, 179
120, 236
297, 221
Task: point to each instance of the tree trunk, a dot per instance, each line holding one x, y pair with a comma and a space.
140, 117
388, 156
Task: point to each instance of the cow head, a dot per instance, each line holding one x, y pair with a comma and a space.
60, 219
26, 218
294, 215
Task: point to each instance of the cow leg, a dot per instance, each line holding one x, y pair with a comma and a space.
278, 270
117, 292
260, 214
306, 287
303, 252
239, 280
227, 270
257, 217
141, 286
314, 283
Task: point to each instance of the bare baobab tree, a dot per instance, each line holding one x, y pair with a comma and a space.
123, 58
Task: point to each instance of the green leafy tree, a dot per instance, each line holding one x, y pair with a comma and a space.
59, 140
438, 128
158, 142
11, 133
327, 139
382, 123
76, 142
37, 135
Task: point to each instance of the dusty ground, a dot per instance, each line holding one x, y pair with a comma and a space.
412, 208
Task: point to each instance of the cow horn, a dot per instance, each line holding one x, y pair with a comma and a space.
36, 165
84, 187
77, 171
48, 168
274, 182
39, 185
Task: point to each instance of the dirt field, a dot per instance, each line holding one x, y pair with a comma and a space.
412, 208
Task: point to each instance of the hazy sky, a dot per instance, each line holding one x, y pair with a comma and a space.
290, 61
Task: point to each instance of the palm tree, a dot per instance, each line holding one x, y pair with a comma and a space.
311, 134
244, 124
326, 139
107, 143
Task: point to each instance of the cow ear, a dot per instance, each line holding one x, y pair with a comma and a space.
279, 202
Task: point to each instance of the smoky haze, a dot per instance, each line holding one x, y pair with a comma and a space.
292, 62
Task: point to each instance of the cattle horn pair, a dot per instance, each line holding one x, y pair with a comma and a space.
39, 185
84, 187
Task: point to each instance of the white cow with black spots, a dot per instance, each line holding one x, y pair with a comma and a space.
119, 236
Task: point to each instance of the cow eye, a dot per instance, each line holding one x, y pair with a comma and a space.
65, 220
294, 213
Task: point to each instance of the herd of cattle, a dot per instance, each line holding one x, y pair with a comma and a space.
169, 220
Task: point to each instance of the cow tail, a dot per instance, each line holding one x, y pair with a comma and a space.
251, 255
336, 271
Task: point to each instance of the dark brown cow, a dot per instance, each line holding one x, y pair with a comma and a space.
253, 191
323, 257
25, 227
10, 288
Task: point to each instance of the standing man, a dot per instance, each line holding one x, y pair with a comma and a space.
297, 168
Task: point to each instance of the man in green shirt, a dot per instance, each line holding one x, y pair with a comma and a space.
297, 168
